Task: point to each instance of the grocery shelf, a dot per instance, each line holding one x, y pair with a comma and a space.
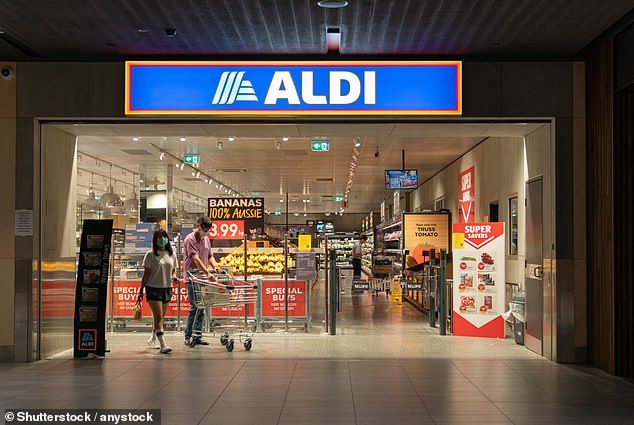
389, 226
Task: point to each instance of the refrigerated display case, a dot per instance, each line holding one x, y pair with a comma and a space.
368, 252
389, 242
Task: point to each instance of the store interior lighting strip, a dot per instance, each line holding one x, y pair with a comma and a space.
196, 172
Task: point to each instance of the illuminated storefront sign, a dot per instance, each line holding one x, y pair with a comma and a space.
293, 88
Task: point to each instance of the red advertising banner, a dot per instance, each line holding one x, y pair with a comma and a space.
236, 311
466, 202
58, 299
479, 276
126, 292
274, 298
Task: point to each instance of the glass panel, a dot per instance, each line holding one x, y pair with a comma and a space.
513, 231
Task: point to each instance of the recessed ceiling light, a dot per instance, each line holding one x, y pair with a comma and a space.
135, 139
284, 139
231, 139
183, 139
332, 4
142, 30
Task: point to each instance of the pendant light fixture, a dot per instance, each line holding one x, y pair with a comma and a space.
131, 204
91, 203
110, 199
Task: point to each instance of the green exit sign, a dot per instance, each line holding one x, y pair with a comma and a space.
191, 159
338, 198
320, 146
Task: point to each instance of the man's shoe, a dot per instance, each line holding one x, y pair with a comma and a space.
201, 342
166, 349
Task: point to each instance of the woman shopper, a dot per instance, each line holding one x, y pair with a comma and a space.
159, 272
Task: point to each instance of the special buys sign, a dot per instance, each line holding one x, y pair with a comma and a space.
274, 298
231, 218
293, 88
479, 279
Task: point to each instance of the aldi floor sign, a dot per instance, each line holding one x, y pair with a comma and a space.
478, 291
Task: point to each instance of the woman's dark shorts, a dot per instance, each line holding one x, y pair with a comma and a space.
163, 295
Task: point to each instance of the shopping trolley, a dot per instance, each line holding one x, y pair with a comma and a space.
223, 290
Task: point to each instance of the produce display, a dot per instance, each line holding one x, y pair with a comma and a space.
257, 262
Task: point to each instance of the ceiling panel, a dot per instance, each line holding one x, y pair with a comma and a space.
91, 29
264, 169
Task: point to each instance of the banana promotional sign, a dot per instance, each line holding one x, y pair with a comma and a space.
232, 218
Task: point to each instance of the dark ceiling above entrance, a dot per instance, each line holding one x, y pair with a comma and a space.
115, 29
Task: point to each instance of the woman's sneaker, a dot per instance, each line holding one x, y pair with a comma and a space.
166, 349
153, 341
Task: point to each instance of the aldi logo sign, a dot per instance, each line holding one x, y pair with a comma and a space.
293, 88
87, 339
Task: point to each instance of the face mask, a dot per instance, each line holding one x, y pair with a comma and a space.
203, 233
162, 241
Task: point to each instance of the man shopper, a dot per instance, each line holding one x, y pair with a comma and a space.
196, 258
357, 254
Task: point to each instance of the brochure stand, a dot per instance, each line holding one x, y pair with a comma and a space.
91, 290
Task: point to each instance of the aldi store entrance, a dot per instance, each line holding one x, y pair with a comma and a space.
101, 151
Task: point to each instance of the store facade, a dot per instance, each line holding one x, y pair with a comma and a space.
549, 95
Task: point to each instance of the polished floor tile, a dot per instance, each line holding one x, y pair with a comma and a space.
385, 367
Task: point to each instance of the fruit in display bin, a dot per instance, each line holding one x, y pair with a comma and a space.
257, 262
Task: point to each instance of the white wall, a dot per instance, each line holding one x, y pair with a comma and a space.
501, 167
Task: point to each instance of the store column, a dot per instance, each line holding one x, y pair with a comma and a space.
7, 212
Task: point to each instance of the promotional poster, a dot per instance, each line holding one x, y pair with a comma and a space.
479, 279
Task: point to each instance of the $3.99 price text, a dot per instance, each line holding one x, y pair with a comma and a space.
226, 229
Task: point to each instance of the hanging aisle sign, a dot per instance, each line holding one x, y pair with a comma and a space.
466, 203
293, 88
479, 279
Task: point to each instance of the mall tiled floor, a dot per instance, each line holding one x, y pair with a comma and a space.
386, 366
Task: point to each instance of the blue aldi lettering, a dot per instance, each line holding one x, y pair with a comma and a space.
294, 88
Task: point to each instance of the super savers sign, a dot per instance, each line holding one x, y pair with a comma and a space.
293, 88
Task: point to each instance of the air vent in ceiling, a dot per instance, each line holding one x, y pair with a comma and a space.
137, 152
191, 179
326, 197
325, 179
232, 170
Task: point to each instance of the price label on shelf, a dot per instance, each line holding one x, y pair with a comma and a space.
226, 229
